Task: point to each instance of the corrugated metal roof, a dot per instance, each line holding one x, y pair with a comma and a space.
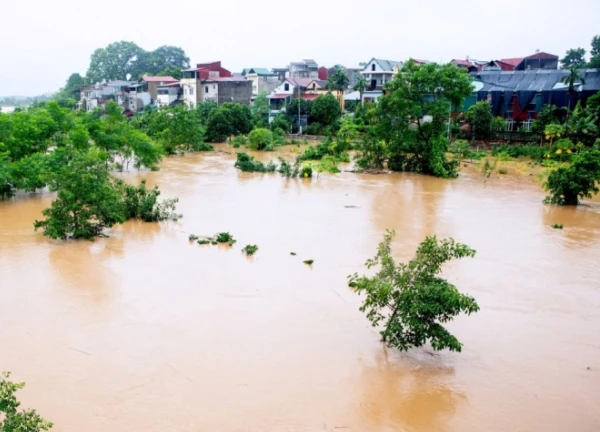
533, 80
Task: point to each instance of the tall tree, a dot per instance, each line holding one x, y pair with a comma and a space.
115, 61
361, 86
574, 77
164, 57
413, 115
595, 53
260, 109
72, 87
325, 110
339, 82
574, 57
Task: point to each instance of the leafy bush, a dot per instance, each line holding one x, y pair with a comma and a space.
480, 118
306, 171
288, 170
224, 237
516, 151
246, 163
259, 138
239, 141
141, 203
250, 250
567, 185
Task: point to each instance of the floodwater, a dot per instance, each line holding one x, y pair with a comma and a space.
144, 331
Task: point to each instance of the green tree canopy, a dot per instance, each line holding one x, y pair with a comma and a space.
413, 115
580, 180
480, 118
325, 110
15, 420
574, 57
595, 53
119, 59
411, 300
260, 109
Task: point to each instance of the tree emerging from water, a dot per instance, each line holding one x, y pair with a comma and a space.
14, 420
410, 300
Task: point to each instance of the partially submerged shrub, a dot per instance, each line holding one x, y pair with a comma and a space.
308, 262
204, 241
250, 250
239, 140
293, 253
246, 163
580, 180
193, 237
224, 237
557, 226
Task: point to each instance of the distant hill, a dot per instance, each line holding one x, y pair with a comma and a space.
23, 100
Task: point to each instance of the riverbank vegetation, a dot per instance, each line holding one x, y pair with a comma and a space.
410, 300
75, 154
13, 420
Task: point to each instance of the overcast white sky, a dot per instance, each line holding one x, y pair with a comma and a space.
42, 42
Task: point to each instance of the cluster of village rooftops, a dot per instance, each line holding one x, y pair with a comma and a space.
517, 88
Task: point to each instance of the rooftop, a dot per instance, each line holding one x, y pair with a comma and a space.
159, 79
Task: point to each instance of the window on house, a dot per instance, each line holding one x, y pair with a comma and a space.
286, 87
206, 89
191, 92
373, 67
214, 86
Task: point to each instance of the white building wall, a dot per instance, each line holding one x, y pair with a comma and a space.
190, 97
210, 91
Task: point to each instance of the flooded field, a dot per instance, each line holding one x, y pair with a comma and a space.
144, 331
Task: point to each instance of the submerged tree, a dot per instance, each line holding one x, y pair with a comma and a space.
410, 299
87, 200
580, 180
15, 420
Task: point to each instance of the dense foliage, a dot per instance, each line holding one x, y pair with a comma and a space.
411, 300
13, 420
73, 153
480, 118
123, 59
412, 117
580, 180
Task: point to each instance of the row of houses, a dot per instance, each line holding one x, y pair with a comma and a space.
517, 88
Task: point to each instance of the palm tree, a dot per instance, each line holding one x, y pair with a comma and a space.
360, 86
339, 82
570, 80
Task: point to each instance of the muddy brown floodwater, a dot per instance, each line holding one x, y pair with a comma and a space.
144, 331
